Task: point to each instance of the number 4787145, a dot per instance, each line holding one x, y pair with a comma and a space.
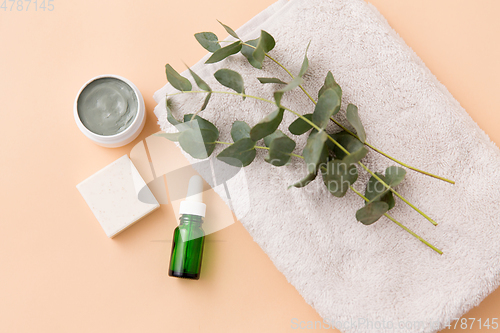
27, 5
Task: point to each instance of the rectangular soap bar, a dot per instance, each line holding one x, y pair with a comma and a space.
118, 196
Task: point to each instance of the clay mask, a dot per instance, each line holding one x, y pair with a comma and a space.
107, 106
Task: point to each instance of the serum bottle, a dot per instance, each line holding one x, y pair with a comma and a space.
189, 237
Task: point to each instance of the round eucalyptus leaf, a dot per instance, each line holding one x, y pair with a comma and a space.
279, 151
350, 143
230, 79
330, 84
314, 150
176, 80
240, 130
224, 52
266, 43
394, 175
338, 177
199, 122
388, 198
300, 126
208, 40
267, 125
372, 212
199, 143
239, 154
327, 106
247, 51
376, 191
356, 156
353, 119
277, 134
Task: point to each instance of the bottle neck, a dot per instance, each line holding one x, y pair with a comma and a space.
191, 219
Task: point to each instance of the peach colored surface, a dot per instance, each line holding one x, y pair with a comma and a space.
58, 270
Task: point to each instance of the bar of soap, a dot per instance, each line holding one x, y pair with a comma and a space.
118, 196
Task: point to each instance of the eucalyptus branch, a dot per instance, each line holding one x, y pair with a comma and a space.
334, 156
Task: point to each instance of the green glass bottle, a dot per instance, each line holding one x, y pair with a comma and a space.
189, 237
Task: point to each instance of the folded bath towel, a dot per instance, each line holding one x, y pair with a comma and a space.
349, 272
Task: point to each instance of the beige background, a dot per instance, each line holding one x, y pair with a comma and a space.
58, 270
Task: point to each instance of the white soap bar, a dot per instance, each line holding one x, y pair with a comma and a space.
118, 196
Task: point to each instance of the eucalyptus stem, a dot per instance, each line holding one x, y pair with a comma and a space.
364, 198
329, 138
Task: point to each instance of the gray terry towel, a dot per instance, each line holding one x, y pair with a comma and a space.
365, 278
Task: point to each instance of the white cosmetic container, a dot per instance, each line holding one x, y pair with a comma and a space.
125, 136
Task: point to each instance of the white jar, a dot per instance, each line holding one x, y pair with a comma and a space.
128, 134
